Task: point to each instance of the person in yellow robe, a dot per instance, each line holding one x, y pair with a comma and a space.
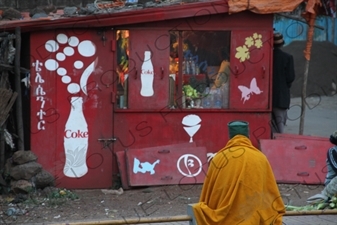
240, 187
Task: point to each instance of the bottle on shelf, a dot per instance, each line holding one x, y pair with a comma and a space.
225, 95
206, 100
192, 64
187, 67
217, 99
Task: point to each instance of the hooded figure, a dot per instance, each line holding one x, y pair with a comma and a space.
240, 187
330, 183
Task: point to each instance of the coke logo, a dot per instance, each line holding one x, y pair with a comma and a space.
147, 71
75, 134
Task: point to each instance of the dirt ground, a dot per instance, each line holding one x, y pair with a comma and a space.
96, 205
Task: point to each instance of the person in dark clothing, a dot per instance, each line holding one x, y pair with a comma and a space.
330, 182
283, 76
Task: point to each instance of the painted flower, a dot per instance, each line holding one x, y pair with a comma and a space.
258, 43
242, 53
249, 42
257, 36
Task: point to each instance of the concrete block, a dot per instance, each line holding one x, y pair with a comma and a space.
191, 214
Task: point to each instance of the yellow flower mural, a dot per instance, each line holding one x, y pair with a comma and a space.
242, 52
249, 41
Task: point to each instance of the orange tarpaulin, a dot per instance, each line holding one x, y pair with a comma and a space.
263, 6
269, 6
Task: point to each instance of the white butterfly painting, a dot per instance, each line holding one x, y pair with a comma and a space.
246, 92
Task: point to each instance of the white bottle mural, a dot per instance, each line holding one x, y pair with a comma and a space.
76, 135
76, 140
147, 76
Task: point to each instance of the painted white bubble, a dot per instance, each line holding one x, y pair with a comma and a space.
73, 41
66, 79
78, 64
86, 48
73, 88
62, 38
60, 56
68, 51
61, 71
51, 46
51, 64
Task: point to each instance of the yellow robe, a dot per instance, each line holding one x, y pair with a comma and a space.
239, 188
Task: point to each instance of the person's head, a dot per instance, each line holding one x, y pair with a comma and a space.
278, 40
333, 137
187, 45
238, 127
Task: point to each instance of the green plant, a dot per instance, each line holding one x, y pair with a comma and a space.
63, 193
330, 204
199, 85
60, 196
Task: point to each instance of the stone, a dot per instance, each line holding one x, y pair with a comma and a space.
36, 11
11, 14
21, 186
22, 156
89, 9
2, 181
69, 11
43, 10
8, 166
47, 191
43, 179
39, 15
25, 171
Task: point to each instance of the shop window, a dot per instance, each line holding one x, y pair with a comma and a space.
122, 69
199, 69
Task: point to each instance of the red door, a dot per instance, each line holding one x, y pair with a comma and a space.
71, 124
250, 69
148, 69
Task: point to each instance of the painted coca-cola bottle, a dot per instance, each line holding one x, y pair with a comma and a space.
76, 140
146, 76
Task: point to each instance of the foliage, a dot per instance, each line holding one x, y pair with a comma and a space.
198, 85
55, 198
331, 203
63, 193
190, 92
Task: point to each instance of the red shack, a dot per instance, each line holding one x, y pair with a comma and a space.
133, 94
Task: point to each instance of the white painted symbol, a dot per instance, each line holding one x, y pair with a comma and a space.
210, 156
192, 125
76, 133
144, 166
147, 76
85, 48
188, 161
75, 140
246, 92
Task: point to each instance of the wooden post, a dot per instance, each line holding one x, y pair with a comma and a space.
307, 52
170, 219
18, 103
304, 95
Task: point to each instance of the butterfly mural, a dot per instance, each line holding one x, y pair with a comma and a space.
247, 92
